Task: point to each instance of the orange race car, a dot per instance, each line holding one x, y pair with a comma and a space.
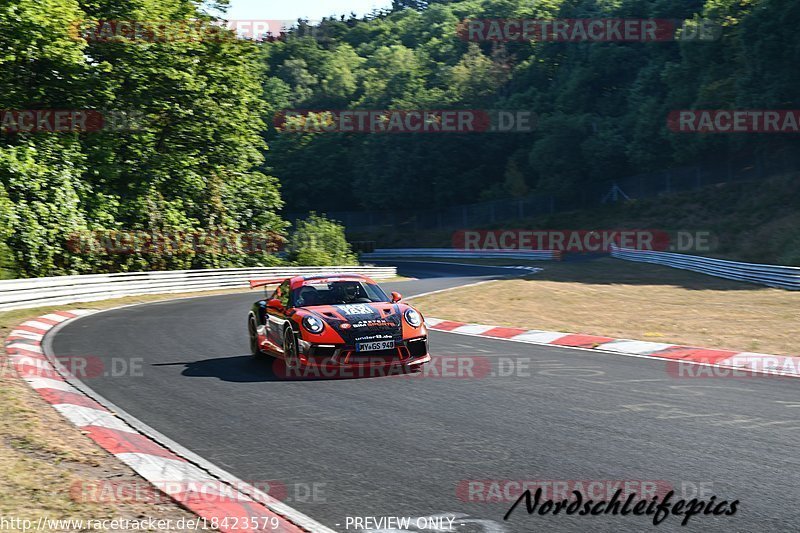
336, 321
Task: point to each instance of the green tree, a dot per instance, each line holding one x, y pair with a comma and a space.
318, 240
193, 162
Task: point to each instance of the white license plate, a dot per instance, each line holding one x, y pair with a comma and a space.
373, 346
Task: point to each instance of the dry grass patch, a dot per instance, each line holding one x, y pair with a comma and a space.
43, 457
632, 300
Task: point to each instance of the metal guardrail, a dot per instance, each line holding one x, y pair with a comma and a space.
531, 255
59, 290
784, 277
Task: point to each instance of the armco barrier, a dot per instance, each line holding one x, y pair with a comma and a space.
59, 290
784, 277
450, 253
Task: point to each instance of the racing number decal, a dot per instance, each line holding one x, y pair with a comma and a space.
356, 309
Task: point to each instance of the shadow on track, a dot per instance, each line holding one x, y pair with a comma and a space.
248, 369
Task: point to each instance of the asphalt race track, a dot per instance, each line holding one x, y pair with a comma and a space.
408, 446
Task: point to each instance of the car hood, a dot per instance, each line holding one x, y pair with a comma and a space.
360, 322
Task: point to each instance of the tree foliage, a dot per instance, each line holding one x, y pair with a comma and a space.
602, 107
197, 160
191, 162
316, 240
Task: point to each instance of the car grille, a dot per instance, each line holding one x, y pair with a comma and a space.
377, 356
323, 351
418, 347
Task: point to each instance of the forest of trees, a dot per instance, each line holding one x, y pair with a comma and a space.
602, 107
204, 157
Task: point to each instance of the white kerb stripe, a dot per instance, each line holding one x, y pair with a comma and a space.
38, 325
203, 488
23, 346
86, 416
82, 312
162, 469
789, 365
637, 347
37, 362
473, 329
47, 383
536, 335
26, 334
55, 318
762, 362
430, 322
27, 356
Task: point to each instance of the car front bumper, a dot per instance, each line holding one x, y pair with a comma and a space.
406, 353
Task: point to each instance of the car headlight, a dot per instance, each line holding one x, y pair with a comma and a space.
313, 324
413, 318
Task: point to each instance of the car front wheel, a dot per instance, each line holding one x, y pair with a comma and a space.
255, 350
290, 349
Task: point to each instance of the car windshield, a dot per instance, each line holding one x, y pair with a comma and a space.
327, 292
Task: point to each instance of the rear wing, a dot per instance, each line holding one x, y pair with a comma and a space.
262, 282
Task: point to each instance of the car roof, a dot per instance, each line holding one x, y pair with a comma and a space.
299, 281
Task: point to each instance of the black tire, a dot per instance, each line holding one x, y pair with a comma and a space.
290, 354
253, 335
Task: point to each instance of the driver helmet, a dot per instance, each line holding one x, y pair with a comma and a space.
347, 292
351, 291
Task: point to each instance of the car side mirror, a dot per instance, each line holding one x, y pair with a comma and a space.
396, 297
275, 304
